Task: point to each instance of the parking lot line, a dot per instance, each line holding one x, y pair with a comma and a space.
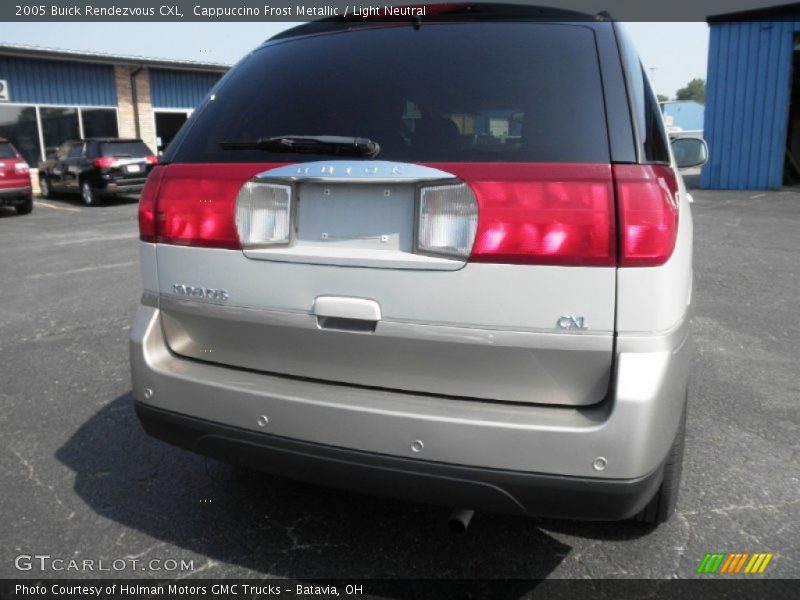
99, 238
83, 269
54, 207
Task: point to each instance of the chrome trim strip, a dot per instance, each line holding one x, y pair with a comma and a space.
439, 332
352, 171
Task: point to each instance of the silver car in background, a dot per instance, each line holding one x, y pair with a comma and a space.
445, 259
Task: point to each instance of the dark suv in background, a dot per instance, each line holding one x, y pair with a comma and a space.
97, 168
15, 179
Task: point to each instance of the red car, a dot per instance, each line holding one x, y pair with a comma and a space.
15, 179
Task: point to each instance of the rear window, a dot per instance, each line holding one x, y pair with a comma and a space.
6, 151
509, 92
124, 149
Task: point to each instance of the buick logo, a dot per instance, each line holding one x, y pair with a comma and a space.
353, 170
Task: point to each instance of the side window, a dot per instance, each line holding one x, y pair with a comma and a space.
646, 112
75, 151
63, 150
656, 147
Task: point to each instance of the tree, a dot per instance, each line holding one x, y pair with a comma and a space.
694, 90
662, 98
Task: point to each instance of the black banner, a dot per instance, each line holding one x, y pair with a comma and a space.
309, 10
555, 589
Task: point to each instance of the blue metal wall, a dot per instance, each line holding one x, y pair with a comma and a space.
747, 103
37, 81
180, 89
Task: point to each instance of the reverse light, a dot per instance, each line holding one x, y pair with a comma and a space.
448, 220
21, 168
263, 214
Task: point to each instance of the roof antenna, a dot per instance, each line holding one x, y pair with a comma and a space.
417, 22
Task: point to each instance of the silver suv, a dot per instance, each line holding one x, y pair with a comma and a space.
447, 259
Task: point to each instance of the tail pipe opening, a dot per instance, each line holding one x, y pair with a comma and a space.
460, 519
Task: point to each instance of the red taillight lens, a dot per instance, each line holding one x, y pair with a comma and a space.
21, 168
196, 204
105, 162
647, 197
151, 159
193, 211
542, 214
147, 205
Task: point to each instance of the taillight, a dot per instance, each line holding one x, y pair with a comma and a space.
647, 197
263, 214
21, 168
151, 159
448, 219
183, 205
542, 214
105, 162
147, 205
536, 214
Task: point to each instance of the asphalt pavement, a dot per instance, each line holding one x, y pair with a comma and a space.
82, 481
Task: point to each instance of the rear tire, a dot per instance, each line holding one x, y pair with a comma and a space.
662, 506
90, 198
44, 187
25, 208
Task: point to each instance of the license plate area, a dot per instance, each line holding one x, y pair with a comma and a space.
132, 169
338, 216
354, 214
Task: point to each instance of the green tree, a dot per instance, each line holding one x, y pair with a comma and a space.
662, 97
694, 90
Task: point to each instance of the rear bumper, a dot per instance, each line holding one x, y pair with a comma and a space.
111, 187
514, 458
15, 195
508, 492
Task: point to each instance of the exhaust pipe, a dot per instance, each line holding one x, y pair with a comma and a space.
459, 519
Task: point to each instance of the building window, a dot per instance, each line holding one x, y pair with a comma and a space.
99, 122
59, 125
36, 130
18, 125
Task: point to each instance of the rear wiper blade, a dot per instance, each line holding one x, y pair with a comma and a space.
310, 144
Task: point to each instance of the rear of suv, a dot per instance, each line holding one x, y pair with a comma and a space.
446, 259
97, 168
15, 179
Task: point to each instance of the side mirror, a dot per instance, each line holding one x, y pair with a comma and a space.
690, 152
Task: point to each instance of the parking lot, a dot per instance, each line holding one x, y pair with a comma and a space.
81, 480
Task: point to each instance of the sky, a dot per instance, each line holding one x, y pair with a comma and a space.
673, 53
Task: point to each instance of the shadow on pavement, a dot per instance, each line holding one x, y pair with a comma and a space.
288, 529
9, 211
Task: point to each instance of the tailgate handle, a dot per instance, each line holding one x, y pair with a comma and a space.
343, 313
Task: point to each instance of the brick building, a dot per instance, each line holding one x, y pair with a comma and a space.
50, 96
